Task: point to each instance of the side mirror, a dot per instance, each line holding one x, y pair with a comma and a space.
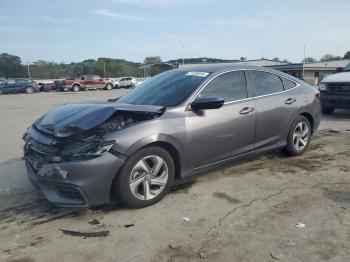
207, 102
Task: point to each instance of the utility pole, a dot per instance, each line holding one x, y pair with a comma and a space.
104, 68
28, 69
302, 64
183, 54
262, 53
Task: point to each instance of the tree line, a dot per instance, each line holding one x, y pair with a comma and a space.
11, 66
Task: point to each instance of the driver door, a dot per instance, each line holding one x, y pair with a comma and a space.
218, 134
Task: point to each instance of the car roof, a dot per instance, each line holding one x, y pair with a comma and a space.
219, 68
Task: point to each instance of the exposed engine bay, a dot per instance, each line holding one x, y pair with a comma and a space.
76, 136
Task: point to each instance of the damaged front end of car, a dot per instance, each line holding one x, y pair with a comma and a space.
68, 157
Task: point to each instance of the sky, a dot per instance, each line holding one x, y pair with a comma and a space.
75, 30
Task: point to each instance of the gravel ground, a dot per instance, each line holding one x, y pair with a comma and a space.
247, 211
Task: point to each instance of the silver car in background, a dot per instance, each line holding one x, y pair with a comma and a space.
174, 125
125, 82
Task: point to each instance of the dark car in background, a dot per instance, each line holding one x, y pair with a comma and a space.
335, 91
18, 85
172, 126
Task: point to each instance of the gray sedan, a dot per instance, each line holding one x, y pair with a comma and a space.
175, 125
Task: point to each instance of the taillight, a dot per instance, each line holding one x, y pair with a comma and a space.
318, 97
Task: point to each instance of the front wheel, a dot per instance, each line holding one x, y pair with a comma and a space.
299, 136
145, 178
29, 90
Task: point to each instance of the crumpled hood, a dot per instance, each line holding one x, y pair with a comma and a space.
343, 77
72, 119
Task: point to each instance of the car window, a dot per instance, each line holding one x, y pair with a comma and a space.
122, 79
10, 81
21, 81
288, 84
96, 78
229, 86
266, 83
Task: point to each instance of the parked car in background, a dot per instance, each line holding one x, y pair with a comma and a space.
47, 87
84, 82
176, 124
18, 85
335, 91
126, 82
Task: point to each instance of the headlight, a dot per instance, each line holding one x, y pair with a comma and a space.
322, 87
87, 149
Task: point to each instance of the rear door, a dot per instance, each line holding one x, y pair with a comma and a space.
275, 106
11, 86
218, 134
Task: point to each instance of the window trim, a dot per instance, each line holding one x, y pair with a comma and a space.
248, 83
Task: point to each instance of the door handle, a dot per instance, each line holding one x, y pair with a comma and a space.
247, 110
290, 101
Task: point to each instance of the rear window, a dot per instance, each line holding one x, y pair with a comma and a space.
266, 83
288, 84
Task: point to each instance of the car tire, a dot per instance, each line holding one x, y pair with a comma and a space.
109, 87
133, 185
29, 90
117, 86
299, 136
76, 88
327, 110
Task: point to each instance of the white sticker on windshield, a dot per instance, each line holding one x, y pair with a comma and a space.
201, 74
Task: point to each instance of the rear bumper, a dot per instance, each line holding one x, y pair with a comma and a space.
335, 101
76, 184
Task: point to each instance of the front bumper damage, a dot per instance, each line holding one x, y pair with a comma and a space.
83, 183
67, 155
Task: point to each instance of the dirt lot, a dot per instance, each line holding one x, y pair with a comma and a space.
242, 212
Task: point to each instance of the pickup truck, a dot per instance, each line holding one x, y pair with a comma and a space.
84, 82
335, 91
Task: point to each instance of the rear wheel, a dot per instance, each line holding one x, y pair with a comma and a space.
109, 87
327, 110
299, 136
29, 90
145, 178
76, 88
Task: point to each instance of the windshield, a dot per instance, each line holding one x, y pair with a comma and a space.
347, 68
167, 89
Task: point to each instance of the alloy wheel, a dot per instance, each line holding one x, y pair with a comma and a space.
148, 177
301, 136
29, 90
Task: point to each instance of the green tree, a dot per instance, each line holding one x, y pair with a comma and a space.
10, 66
347, 55
309, 60
329, 57
152, 60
